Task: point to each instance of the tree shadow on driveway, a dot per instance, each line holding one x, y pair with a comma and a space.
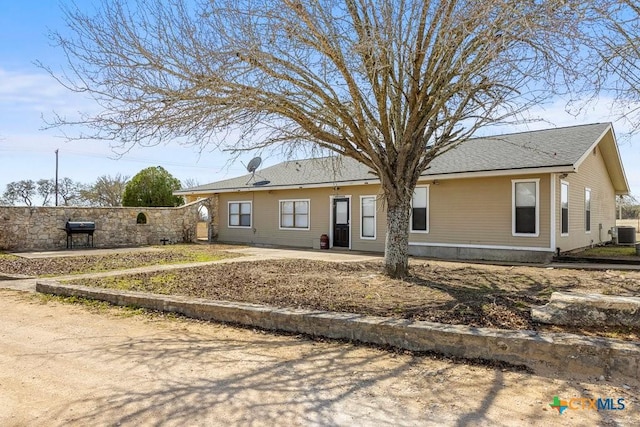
188, 380
71, 367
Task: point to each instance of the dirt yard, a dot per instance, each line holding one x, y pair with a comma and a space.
474, 295
155, 255
64, 364
479, 295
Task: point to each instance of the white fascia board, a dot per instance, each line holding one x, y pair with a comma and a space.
594, 145
280, 187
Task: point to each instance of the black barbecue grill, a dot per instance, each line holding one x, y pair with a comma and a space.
79, 227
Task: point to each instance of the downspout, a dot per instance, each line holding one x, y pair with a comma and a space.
552, 239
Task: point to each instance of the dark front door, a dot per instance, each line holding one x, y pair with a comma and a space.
341, 222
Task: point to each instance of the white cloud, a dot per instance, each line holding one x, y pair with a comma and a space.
38, 92
28, 87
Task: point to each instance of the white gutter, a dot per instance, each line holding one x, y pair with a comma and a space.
552, 237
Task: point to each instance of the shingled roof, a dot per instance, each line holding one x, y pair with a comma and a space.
557, 150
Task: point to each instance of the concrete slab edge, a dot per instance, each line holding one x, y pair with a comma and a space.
566, 353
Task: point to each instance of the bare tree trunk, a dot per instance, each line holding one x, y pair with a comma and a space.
396, 255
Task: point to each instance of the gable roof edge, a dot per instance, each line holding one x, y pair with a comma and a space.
616, 160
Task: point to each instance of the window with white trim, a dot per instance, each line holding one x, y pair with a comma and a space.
526, 207
240, 214
294, 214
420, 210
587, 210
564, 208
368, 217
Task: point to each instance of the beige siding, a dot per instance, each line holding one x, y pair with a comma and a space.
266, 229
478, 212
592, 174
475, 212
466, 212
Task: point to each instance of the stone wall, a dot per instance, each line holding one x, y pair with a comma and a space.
212, 204
566, 353
42, 228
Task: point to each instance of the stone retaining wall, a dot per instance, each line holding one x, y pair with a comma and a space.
589, 310
563, 352
42, 228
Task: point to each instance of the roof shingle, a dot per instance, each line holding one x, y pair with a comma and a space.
524, 150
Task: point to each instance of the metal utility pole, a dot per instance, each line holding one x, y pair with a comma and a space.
56, 177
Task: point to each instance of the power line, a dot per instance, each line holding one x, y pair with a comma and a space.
107, 157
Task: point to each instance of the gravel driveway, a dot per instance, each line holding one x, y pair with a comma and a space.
63, 364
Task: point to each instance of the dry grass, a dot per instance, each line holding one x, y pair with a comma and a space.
157, 255
479, 295
454, 293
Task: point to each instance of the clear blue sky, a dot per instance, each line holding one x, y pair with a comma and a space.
28, 93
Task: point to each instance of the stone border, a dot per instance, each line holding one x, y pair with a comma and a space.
565, 308
563, 352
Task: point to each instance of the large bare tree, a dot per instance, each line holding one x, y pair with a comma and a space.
615, 59
390, 83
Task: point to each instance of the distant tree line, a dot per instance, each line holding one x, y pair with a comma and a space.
152, 186
628, 207
105, 191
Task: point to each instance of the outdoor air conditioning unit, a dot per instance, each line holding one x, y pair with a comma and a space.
626, 235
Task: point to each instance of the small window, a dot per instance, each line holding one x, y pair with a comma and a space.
294, 214
368, 217
525, 215
240, 214
587, 209
564, 208
141, 218
420, 210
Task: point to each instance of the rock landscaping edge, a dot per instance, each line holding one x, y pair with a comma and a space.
566, 353
573, 309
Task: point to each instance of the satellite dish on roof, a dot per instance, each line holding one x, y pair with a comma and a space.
252, 167
254, 164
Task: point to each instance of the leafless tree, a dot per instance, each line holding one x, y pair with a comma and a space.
390, 83
615, 59
106, 191
189, 183
69, 192
20, 192
628, 207
46, 188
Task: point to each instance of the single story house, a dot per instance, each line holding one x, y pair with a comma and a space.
518, 197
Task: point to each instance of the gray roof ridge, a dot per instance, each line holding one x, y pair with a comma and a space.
539, 130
